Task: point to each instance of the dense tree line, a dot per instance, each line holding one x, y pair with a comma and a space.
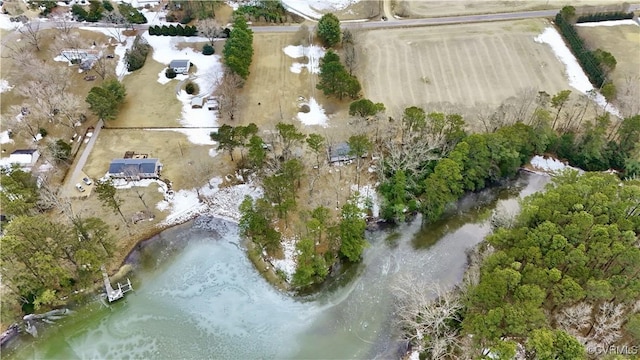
264, 10
328, 237
238, 49
597, 148
573, 245
42, 258
605, 16
335, 79
173, 30
587, 59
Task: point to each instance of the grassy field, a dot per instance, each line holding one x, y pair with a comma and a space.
624, 43
436, 8
459, 64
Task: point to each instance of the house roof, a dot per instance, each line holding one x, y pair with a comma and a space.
179, 64
24, 152
133, 166
197, 101
341, 149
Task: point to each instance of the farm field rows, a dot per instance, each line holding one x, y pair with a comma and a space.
431, 8
458, 64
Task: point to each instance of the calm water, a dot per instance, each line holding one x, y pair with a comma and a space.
198, 296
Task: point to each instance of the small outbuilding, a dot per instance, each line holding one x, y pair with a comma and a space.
180, 66
340, 153
135, 169
197, 103
24, 158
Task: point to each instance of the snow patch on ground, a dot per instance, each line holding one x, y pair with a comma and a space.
609, 23
124, 184
577, 78
4, 86
367, 199
313, 53
7, 24
315, 116
209, 69
415, 355
550, 164
163, 79
216, 201
213, 152
289, 263
155, 18
120, 49
4, 137
313, 8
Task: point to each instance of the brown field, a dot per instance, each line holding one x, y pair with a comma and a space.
624, 43
275, 88
436, 8
465, 65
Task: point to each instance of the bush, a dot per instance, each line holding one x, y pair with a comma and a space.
208, 50
171, 18
597, 17
131, 14
106, 4
43, 132
78, 12
173, 30
170, 73
136, 57
191, 88
269, 11
186, 19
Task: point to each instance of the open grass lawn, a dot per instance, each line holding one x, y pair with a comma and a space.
149, 103
623, 42
458, 64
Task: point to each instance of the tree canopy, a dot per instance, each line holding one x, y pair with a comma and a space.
329, 29
105, 100
238, 49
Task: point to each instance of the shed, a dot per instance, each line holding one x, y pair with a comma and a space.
212, 104
135, 169
197, 103
340, 152
25, 158
180, 66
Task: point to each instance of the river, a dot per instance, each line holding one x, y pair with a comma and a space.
198, 296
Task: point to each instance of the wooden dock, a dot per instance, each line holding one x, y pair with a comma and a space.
114, 294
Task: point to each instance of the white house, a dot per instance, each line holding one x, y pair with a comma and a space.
24, 158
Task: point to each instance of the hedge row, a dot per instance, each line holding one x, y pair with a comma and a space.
586, 58
619, 15
172, 30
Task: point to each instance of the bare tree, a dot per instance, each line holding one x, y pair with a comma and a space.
25, 123
209, 28
63, 23
302, 36
104, 67
31, 32
425, 314
20, 52
227, 90
349, 39
628, 96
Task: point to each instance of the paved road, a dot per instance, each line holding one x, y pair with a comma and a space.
392, 23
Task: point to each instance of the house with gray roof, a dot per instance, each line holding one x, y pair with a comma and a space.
180, 66
135, 169
340, 153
